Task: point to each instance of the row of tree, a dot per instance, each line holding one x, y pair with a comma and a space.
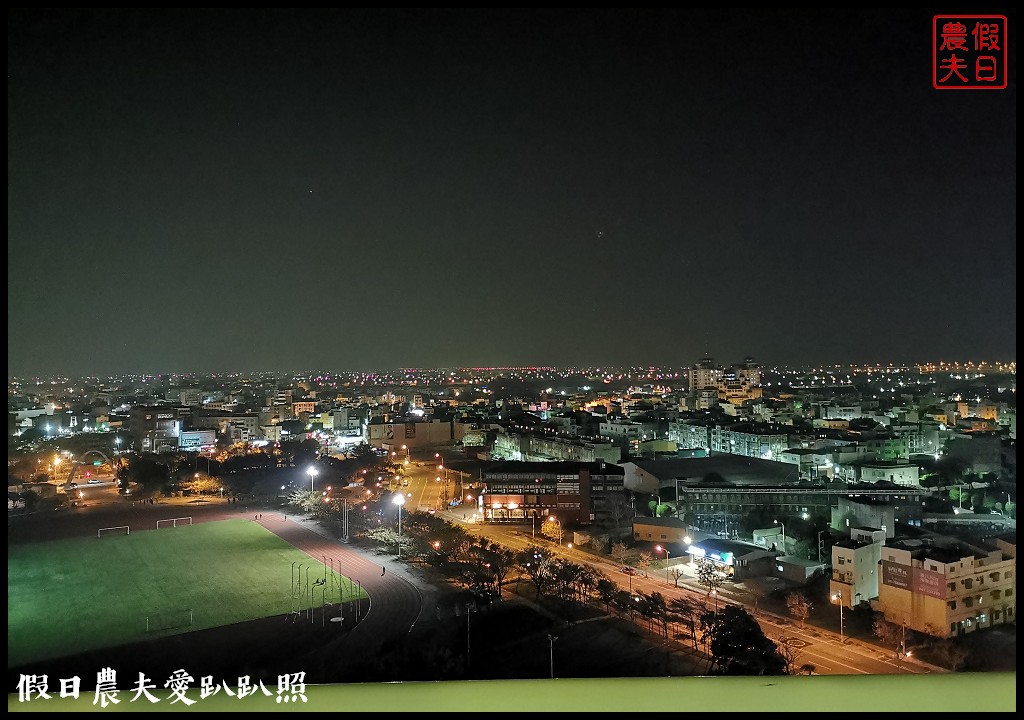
731, 639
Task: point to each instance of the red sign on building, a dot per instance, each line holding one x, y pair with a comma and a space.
969, 52
916, 580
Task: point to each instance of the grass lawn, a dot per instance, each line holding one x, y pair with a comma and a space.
69, 596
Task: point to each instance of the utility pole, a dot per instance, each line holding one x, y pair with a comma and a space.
468, 651
551, 653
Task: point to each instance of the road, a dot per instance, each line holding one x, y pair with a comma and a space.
822, 648
398, 600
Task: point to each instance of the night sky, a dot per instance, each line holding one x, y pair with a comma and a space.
209, 191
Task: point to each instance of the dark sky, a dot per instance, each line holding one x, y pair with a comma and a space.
281, 190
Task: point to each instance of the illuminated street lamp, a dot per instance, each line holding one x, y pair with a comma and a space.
659, 548
399, 500
312, 474
783, 526
838, 598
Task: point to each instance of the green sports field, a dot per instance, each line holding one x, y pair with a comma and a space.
70, 596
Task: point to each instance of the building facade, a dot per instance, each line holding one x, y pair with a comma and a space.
946, 592
578, 493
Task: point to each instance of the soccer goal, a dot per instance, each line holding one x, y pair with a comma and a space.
173, 522
169, 620
119, 530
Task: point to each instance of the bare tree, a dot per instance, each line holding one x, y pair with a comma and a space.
799, 606
643, 563
790, 654
949, 653
620, 552
677, 573
618, 508
890, 634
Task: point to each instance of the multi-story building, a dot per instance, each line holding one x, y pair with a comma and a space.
238, 426
303, 406
628, 433
528, 445
708, 505
946, 591
889, 448
571, 492
705, 374
897, 472
749, 440
690, 434
196, 440
154, 429
412, 434
855, 566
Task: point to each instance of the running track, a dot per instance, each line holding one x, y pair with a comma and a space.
398, 600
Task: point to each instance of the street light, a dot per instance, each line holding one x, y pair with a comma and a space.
902, 651
551, 653
839, 597
399, 500
783, 525
659, 548
312, 474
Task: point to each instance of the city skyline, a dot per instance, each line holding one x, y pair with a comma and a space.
207, 190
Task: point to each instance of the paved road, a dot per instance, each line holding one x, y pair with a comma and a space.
396, 601
817, 646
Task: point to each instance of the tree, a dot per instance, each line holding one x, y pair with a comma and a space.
620, 552
790, 655
643, 563
202, 485
552, 529
147, 472
307, 500
676, 573
497, 559
949, 653
708, 576
655, 607
799, 606
738, 645
618, 508
31, 500
889, 634
606, 590
537, 567
387, 537
688, 612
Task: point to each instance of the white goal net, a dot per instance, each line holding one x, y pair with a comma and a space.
173, 522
